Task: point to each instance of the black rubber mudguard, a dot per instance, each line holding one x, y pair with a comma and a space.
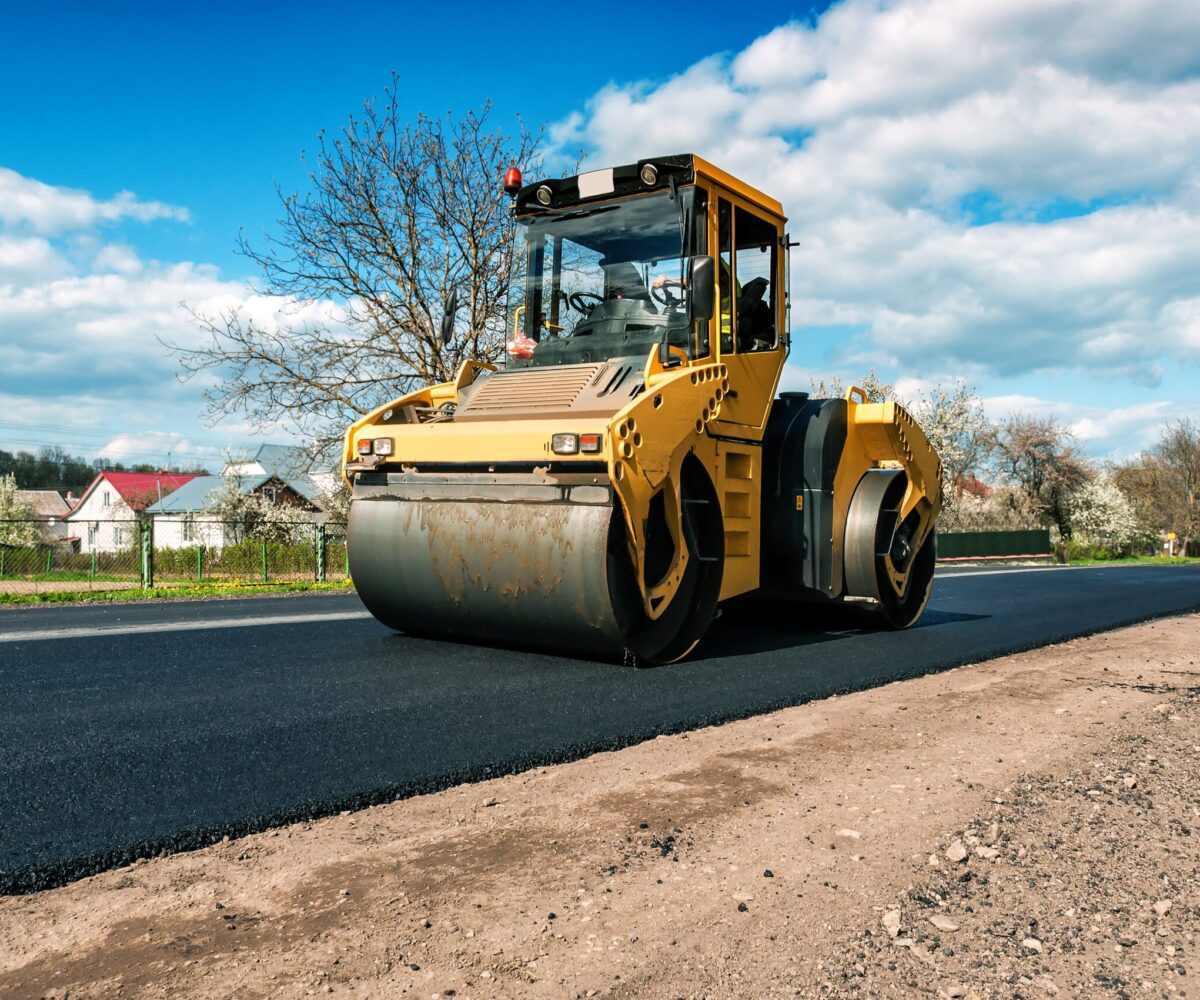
802, 447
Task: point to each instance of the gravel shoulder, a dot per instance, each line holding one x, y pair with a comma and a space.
1025, 827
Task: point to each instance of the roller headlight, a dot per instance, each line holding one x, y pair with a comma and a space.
565, 444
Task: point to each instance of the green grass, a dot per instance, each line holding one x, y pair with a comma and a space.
1137, 561
171, 593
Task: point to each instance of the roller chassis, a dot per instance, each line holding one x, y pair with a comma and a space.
700, 485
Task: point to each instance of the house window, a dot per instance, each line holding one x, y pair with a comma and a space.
91, 536
269, 493
189, 528
105, 499
118, 535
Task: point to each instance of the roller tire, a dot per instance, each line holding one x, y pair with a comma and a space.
682, 625
896, 613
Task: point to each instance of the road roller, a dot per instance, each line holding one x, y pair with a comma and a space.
630, 465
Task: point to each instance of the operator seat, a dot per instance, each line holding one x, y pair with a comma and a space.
755, 325
623, 281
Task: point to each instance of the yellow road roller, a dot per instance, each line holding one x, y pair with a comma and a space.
630, 465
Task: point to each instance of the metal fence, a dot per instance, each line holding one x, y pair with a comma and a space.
1034, 543
38, 555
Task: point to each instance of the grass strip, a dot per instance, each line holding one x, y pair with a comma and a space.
1138, 561
181, 592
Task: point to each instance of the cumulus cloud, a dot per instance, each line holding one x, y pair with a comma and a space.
26, 259
182, 449
1115, 432
80, 332
82, 326
987, 188
26, 203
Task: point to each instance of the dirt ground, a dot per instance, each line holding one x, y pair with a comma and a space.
1026, 827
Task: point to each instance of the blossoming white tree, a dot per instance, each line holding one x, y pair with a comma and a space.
17, 525
1101, 514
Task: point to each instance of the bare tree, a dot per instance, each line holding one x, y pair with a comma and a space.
1041, 457
398, 215
1164, 485
1179, 452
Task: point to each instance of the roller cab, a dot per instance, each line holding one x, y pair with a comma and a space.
629, 466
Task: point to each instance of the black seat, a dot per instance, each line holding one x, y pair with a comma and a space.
624, 282
755, 325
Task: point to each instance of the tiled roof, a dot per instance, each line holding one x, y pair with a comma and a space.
137, 489
45, 503
284, 461
198, 494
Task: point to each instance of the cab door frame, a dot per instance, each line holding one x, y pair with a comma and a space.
754, 375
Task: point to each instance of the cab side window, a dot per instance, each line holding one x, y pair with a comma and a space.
725, 271
756, 256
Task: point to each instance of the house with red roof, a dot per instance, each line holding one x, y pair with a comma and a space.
105, 519
970, 484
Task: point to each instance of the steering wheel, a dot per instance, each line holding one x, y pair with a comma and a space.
662, 296
576, 301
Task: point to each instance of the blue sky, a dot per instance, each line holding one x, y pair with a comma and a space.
207, 107
1003, 191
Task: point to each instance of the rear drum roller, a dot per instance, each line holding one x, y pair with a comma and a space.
878, 547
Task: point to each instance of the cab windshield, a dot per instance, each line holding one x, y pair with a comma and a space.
605, 280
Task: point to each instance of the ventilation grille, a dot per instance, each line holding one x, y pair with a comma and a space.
530, 389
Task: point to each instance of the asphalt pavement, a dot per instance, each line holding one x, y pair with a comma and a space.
128, 730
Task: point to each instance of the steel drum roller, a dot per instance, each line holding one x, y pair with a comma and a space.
525, 560
521, 572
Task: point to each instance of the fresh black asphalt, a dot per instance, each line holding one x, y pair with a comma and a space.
115, 747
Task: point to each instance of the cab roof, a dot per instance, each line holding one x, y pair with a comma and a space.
628, 179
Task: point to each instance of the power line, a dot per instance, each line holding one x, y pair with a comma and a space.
91, 432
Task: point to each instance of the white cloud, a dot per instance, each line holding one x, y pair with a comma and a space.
26, 203
28, 258
107, 328
176, 448
887, 128
82, 323
118, 258
1115, 432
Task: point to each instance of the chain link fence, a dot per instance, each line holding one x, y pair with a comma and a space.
42, 555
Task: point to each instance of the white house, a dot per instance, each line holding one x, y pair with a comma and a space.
186, 517
106, 517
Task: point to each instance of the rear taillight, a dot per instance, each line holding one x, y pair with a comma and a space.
589, 444
364, 446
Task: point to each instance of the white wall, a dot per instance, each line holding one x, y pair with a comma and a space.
171, 531
250, 469
92, 521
